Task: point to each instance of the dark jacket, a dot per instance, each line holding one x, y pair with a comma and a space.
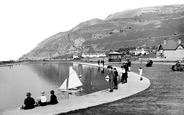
29, 103
129, 63
53, 99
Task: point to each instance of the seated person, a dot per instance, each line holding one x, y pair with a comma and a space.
178, 63
28, 102
53, 98
42, 100
149, 63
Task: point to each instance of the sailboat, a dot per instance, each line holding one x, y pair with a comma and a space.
72, 83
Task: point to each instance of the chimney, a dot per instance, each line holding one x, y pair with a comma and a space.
179, 40
165, 41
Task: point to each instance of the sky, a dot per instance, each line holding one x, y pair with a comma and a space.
25, 23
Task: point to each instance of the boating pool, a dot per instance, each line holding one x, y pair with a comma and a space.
17, 80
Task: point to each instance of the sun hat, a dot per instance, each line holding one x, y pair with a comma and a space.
42, 92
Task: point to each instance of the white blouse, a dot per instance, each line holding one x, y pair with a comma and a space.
43, 98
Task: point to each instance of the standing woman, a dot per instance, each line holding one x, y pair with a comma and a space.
123, 75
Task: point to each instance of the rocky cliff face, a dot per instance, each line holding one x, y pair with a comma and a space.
143, 26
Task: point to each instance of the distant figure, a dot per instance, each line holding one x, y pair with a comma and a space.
42, 100
98, 62
123, 75
140, 73
28, 102
126, 72
177, 67
53, 98
115, 79
111, 77
129, 65
178, 63
149, 63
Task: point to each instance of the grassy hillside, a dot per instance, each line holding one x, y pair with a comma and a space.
137, 27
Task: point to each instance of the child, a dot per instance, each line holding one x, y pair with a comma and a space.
42, 100
53, 98
140, 73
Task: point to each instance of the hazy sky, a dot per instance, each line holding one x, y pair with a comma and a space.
25, 23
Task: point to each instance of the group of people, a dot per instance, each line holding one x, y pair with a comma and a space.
29, 102
177, 66
113, 75
124, 72
113, 78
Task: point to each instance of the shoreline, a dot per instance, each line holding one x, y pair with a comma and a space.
89, 100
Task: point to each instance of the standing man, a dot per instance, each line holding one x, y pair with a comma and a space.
123, 75
115, 79
126, 72
111, 78
129, 64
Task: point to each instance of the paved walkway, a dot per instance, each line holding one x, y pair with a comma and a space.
133, 86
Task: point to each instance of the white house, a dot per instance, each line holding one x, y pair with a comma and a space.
91, 55
171, 49
138, 51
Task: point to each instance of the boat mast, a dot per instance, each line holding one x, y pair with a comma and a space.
67, 82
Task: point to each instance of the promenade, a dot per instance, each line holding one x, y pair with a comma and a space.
133, 86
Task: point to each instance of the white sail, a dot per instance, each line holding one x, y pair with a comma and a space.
73, 82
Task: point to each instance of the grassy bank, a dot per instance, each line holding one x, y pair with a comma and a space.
163, 97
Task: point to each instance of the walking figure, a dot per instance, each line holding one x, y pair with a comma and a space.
140, 73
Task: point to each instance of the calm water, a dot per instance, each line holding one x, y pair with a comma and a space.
16, 80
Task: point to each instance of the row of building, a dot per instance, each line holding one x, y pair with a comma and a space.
169, 49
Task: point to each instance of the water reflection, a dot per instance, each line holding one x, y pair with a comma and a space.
51, 72
16, 80
101, 69
92, 79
